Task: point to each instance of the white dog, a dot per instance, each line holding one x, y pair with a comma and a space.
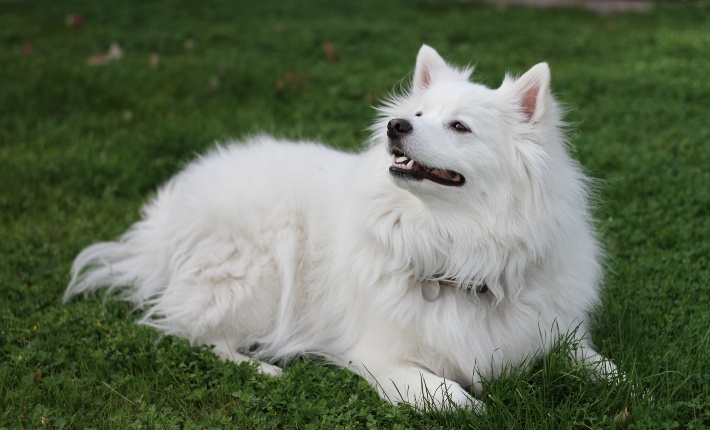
460, 242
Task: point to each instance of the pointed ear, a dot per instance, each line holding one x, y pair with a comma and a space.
430, 66
532, 92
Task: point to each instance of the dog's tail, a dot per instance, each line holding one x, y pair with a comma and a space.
117, 266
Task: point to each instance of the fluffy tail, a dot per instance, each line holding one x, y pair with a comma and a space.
107, 264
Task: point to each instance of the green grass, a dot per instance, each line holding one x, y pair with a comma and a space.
81, 148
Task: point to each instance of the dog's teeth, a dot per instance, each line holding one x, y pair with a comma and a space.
410, 164
401, 159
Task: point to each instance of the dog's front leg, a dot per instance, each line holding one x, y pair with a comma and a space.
419, 388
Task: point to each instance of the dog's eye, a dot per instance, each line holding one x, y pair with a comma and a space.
418, 114
459, 127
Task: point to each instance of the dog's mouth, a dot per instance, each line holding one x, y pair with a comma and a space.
406, 168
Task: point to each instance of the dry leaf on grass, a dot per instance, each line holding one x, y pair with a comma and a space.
114, 53
74, 20
329, 50
154, 61
291, 80
622, 418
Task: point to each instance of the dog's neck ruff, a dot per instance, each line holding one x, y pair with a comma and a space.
432, 287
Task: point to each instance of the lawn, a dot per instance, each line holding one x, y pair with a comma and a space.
83, 145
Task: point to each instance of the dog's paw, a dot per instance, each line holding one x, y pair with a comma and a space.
447, 397
269, 369
461, 398
226, 354
426, 391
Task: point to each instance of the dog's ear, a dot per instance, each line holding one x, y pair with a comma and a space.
532, 92
431, 68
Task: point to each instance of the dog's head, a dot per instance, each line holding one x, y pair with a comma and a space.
495, 185
447, 135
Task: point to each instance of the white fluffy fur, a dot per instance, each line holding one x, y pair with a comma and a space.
301, 249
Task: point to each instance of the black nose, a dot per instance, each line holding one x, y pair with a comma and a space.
398, 126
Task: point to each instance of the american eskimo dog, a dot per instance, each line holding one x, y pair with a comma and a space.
458, 243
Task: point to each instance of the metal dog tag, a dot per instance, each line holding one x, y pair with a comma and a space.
430, 290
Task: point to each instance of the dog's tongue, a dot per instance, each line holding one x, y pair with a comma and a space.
441, 173
446, 174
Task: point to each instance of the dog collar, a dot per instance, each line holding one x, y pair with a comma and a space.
432, 287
